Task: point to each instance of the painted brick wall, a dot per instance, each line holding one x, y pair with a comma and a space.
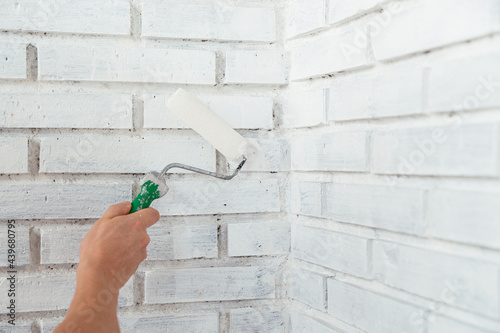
83, 87
392, 115
370, 201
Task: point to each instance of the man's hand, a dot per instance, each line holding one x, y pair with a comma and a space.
109, 255
115, 246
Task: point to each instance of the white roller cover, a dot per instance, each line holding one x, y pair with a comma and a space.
212, 128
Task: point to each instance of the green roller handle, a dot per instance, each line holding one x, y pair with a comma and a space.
149, 193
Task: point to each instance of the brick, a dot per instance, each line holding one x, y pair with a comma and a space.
178, 242
61, 245
89, 17
200, 322
59, 201
468, 284
248, 320
387, 207
22, 245
341, 10
396, 91
258, 239
267, 154
477, 87
305, 324
304, 108
16, 151
308, 288
12, 61
345, 151
249, 112
18, 328
47, 292
261, 67
438, 324
220, 197
208, 21
305, 16
461, 150
66, 111
370, 311
463, 216
340, 252
209, 284
328, 52
105, 154
442, 23
108, 64
307, 198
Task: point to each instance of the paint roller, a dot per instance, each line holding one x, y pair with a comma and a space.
212, 128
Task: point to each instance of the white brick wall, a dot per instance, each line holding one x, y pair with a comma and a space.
89, 17
14, 152
369, 200
105, 154
58, 62
257, 320
209, 284
12, 61
265, 67
66, 111
392, 119
208, 21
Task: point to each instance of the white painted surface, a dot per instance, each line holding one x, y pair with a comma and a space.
104, 63
440, 23
219, 197
340, 252
462, 216
341, 10
249, 112
308, 288
386, 207
208, 21
463, 150
258, 239
50, 291
328, 52
304, 324
468, 284
86, 17
396, 91
305, 16
66, 110
306, 198
59, 201
477, 88
304, 108
13, 154
105, 154
248, 320
330, 152
267, 154
370, 311
440, 324
208, 284
12, 60
256, 67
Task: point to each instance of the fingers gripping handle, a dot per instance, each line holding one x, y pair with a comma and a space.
149, 192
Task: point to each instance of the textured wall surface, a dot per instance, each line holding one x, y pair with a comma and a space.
370, 199
392, 112
83, 87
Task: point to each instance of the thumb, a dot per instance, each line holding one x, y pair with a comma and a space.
123, 208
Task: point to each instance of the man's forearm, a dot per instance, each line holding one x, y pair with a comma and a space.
92, 310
